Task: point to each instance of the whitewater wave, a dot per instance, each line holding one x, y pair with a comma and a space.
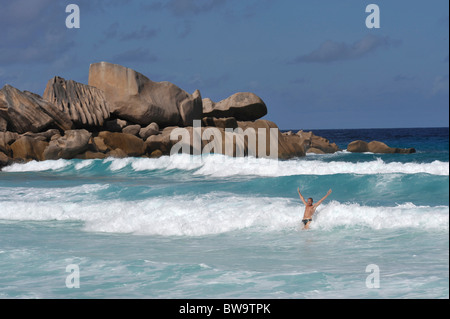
216, 213
35, 166
40, 194
223, 166
405, 215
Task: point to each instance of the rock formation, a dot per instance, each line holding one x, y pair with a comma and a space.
286, 148
6, 139
85, 105
133, 129
28, 112
316, 144
241, 106
3, 124
73, 142
130, 144
116, 125
134, 97
27, 148
151, 129
227, 122
359, 146
4, 160
123, 113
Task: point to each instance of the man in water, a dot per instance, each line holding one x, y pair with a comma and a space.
310, 208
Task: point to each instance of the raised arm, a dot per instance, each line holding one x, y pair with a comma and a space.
301, 196
320, 201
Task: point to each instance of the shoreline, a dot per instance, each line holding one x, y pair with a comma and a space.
119, 154
122, 113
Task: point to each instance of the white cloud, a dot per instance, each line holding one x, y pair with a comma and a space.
331, 51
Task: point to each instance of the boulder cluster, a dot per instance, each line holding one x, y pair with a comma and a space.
376, 147
123, 113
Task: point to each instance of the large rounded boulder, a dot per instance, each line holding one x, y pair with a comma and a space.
243, 106
134, 97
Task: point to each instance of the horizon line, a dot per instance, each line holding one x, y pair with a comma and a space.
365, 128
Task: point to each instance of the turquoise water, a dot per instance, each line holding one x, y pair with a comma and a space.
219, 227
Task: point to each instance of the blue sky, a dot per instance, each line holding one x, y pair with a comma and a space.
314, 63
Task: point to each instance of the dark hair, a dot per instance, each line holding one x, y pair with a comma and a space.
311, 199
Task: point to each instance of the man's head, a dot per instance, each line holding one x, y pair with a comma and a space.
310, 201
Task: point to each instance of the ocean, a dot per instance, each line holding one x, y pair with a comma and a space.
219, 227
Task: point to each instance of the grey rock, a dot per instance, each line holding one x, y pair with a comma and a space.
25, 111
243, 106
151, 129
134, 97
73, 142
86, 105
132, 129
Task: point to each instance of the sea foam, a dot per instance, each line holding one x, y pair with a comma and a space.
220, 212
35, 166
223, 166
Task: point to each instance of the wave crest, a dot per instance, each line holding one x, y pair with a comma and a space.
223, 166
217, 213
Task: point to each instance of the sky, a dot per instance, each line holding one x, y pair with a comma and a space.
315, 64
